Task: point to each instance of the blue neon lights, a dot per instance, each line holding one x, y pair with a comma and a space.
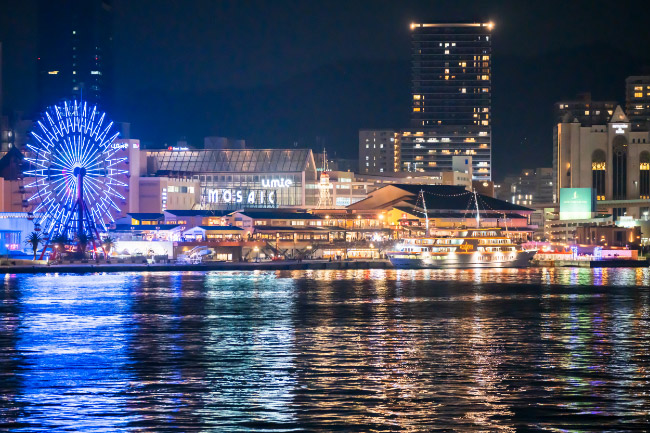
69, 137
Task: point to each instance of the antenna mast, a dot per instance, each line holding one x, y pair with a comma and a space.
478, 217
426, 213
324, 197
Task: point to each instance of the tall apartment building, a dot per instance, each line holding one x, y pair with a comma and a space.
637, 101
74, 51
451, 97
379, 151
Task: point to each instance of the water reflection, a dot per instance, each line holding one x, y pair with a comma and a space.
351, 350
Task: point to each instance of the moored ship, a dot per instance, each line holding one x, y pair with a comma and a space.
466, 247
463, 247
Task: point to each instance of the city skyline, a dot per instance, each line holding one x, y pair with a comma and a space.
262, 97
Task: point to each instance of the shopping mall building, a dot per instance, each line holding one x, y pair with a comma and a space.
239, 178
232, 179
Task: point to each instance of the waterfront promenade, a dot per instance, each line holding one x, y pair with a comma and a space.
273, 266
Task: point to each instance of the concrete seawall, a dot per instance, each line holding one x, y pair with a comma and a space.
221, 266
590, 263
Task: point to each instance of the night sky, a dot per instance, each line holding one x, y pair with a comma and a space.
306, 73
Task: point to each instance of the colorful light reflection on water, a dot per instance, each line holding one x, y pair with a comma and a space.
362, 350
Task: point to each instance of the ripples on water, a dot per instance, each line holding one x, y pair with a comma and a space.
373, 350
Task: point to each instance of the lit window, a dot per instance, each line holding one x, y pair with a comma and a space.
416, 96
446, 51
638, 94
463, 90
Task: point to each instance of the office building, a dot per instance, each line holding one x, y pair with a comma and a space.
611, 158
451, 97
74, 56
378, 151
637, 101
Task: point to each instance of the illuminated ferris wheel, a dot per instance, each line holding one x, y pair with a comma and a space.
73, 170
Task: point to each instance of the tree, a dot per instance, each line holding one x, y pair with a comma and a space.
34, 239
108, 243
83, 240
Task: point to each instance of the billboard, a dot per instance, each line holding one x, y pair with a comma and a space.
577, 203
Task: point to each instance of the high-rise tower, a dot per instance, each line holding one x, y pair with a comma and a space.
451, 77
74, 51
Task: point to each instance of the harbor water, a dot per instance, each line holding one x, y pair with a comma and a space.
538, 349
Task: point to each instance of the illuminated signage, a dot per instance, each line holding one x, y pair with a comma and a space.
164, 199
467, 247
620, 127
120, 145
577, 203
277, 183
177, 149
250, 197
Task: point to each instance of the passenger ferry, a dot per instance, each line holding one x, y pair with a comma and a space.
462, 248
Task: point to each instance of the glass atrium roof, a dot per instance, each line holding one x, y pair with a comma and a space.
232, 161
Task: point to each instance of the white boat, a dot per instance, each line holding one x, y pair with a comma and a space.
462, 248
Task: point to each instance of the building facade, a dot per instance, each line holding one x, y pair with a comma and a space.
585, 110
612, 158
637, 101
434, 150
240, 178
379, 151
530, 187
451, 97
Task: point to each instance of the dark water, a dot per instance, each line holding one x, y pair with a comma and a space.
485, 350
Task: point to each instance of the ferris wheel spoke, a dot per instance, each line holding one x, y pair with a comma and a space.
55, 129
107, 143
88, 161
